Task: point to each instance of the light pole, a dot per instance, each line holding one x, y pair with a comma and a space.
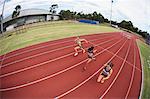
2, 16
111, 11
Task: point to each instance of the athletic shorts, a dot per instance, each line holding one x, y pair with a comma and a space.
80, 46
104, 74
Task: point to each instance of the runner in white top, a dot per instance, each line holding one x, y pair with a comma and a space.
79, 45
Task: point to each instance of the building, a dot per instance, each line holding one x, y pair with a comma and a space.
28, 16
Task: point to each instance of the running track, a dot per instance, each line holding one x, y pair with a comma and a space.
49, 70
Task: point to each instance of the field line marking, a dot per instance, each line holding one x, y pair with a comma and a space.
46, 52
40, 64
142, 66
38, 48
132, 77
117, 73
33, 49
74, 88
121, 59
55, 74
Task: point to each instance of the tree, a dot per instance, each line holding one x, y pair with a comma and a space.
135, 29
106, 20
67, 14
16, 12
101, 18
127, 25
53, 10
18, 8
94, 16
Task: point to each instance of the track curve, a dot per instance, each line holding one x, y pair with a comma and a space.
49, 70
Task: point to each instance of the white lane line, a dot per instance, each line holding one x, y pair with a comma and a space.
117, 73
132, 77
55, 74
38, 48
34, 49
142, 67
42, 79
40, 64
83, 82
46, 52
121, 59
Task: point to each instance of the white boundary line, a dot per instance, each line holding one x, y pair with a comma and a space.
133, 72
43, 47
42, 79
83, 82
118, 72
74, 88
121, 59
55, 74
39, 54
37, 48
34, 49
142, 65
40, 64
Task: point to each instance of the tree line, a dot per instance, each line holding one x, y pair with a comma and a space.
71, 15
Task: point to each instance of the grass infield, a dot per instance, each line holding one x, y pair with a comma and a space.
145, 52
49, 31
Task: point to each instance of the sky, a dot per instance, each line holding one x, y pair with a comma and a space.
129, 10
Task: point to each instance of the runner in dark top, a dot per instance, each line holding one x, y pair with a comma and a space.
90, 53
106, 72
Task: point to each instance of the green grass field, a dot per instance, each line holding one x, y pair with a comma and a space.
49, 31
145, 51
63, 29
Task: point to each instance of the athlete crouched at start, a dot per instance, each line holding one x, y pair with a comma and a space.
106, 73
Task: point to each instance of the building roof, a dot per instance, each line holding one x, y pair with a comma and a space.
27, 12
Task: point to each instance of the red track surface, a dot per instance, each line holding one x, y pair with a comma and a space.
49, 70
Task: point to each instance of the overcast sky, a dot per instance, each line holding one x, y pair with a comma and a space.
137, 11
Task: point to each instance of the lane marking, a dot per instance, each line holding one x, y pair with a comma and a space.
121, 59
132, 77
40, 64
46, 52
55, 74
117, 73
34, 49
142, 67
83, 82
41, 48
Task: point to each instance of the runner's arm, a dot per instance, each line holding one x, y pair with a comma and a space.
84, 40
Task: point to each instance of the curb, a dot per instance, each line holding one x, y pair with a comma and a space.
142, 64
